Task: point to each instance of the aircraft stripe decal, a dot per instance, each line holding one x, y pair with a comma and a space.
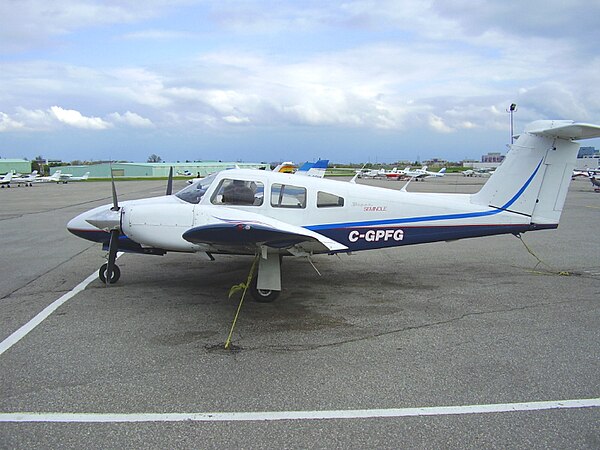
431, 218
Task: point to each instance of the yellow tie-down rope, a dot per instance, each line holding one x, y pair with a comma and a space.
237, 288
549, 270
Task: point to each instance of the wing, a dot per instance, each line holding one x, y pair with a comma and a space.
231, 229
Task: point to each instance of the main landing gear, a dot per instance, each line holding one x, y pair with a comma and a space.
266, 285
262, 295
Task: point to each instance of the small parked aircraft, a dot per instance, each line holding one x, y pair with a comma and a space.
84, 177
27, 180
316, 169
585, 173
5, 180
270, 215
66, 177
54, 178
422, 173
371, 173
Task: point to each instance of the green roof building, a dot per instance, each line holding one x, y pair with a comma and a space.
15, 165
102, 170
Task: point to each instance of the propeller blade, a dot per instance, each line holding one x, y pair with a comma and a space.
113, 247
170, 182
114, 192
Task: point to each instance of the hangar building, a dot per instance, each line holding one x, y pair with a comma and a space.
102, 170
15, 165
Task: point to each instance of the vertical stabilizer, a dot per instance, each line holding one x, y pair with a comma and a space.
534, 178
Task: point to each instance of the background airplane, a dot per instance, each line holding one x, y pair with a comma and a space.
422, 173
54, 178
585, 173
5, 181
27, 180
371, 173
84, 177
316, 169
477, 172
270, 215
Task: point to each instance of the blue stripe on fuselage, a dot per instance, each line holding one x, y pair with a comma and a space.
374, 223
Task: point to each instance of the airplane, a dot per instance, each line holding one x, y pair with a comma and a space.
271, 215
84, 177
394, 174
27, 180
55, 178
371, 173
477, 172
285, 167
316, 169
585, 173
5, 181
422, 173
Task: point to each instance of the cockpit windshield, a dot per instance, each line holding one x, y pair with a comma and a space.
195, 191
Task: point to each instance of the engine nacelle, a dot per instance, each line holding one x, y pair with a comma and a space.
159, 225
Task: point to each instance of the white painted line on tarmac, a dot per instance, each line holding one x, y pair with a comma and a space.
42, 315
297, 415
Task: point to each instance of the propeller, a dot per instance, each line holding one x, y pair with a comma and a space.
170, 182
115, 231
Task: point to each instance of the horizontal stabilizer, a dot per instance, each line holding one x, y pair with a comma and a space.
564, 129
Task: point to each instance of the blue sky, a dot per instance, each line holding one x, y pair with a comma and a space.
251, 80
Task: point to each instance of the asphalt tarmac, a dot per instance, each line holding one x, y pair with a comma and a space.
467, 323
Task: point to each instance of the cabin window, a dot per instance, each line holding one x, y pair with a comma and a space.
194, 192
327, 200
288, 196
238, 192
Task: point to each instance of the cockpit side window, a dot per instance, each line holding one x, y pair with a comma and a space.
288, 196
238, 192
327, 200
195, 191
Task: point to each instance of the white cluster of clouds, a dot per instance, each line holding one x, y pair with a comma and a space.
388, 64
56, 117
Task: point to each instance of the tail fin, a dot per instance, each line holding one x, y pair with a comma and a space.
534, 178
316, 169
85, 176
442, 170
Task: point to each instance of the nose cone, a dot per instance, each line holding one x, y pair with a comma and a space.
81, 227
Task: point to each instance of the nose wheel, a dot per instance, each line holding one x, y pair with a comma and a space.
116, 273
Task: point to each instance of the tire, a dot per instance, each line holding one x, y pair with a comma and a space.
262, 295
116, 274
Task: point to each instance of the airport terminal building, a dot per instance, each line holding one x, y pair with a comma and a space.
102, 170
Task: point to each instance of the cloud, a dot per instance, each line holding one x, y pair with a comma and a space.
364, 64
236, 120
28, 23
55, 116
130, 119
76, 119
437, 123
158, 35
9, 124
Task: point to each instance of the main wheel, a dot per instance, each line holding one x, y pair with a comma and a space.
116, 273
262, 295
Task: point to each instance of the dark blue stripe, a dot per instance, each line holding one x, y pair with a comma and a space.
373, 223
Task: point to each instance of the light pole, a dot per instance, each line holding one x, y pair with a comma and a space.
511, 110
